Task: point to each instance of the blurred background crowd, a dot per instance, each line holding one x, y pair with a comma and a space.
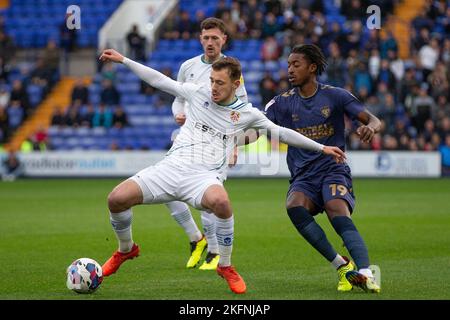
400, 76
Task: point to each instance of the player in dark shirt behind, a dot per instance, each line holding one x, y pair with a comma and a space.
317, 182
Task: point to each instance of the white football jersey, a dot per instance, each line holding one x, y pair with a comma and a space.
209, 135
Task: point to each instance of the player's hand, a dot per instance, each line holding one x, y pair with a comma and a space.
336, 153
180, 118
111, 55
233, 159
365, 133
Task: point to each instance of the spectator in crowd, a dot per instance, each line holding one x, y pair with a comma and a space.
103, 117
4, 71
185, 26
270, 26
422, 108
87, 116
108, 72
16, 114
80, 92
20, 94
67, 37
5, 96
428, 57
72, 118
255, 25
120, 119
221, 9
267, 88
7, 47
169, 29
439, 80
444, 127
136, 44
4, 124
12, 167
442, 109
51, 57
109, 94
336, 66
270, 50
42, 76
27, 145
57, 117
40, 139
352, 9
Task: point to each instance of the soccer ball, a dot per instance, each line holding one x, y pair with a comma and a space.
84, 275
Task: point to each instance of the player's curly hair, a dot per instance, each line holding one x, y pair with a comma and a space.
313, 54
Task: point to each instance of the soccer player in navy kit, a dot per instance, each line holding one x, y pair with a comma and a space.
318, 183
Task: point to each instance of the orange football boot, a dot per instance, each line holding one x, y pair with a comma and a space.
113, 263
235, 281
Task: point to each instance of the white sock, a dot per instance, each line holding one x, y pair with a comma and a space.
209, 228
225, 234
121, 223
181, 213
338, 261
367, 272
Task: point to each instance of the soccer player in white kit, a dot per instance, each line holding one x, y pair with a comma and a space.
191, 169
197, 70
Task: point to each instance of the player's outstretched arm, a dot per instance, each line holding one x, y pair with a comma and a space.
152, 77
298, 140
294, 138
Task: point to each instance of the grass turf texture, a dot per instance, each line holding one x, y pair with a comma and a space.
46, 224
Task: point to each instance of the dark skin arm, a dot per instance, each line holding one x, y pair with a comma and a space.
371, 125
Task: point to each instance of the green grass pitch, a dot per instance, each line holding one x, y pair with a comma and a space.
46, 224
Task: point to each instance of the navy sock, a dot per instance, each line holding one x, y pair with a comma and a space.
352, 239
311, 231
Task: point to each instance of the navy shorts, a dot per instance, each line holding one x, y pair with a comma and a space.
324, 182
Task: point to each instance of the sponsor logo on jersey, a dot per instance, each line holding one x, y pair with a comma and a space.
207, 129
234, 116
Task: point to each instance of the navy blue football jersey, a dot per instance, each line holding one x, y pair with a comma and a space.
319, 117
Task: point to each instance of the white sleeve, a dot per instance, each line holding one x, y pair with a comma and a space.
178, 103
158, 80
285, 135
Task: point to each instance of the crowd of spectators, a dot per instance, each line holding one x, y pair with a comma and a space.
82, 113
410, 95
18, 84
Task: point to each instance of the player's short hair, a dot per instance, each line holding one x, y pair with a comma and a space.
233, 65
313, 54
211, 23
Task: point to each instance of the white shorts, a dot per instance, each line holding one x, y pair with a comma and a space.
165, 182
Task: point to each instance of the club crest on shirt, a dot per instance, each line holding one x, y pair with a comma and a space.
325, 111
295, 117
234, 116
206, 105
